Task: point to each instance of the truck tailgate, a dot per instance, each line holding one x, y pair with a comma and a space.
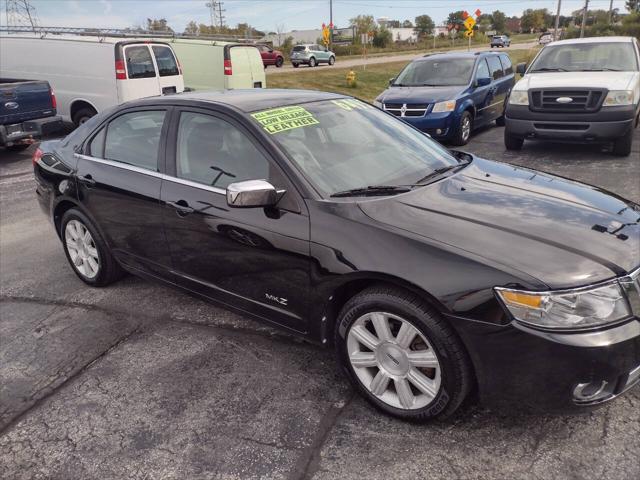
24, 100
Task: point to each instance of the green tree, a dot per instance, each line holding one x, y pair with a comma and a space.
407, 24
424, 25
633, 5
363, 24
393, 24
455, 18
158, 25
382, 38
533, 20
499, 21
191, 28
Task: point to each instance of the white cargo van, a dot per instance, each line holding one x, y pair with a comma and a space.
90, 74
209, 64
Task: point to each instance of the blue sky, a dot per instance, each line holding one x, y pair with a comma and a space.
266, 14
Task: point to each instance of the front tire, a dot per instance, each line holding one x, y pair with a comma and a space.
82, 115
622, 146
401, 356
332, 60
279, 62
463, 131
295, 65
312, 62
511, 142
86, 251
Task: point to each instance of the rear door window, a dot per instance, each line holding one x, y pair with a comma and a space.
167, 65
134, 138
483, 69
96, 147
139, 62
495, 67
506, 64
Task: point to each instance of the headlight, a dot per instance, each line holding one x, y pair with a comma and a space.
448, 106
579, 308
377, 103
519, 97
618, 97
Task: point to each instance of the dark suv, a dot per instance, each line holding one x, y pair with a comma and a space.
448, 95
431, 272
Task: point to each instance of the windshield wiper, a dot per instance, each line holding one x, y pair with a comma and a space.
373, 190
439, 171
550, 69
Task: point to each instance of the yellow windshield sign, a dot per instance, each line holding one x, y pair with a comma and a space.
285, 118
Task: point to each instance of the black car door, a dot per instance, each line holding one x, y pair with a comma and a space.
119, 182
255, 259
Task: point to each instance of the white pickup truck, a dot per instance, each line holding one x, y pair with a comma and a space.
583, 90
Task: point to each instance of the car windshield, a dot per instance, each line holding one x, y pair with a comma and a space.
436, 72
347, 144
580, 57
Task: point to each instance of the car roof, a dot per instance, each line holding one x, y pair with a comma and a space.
249, 100
458, 55
594, 40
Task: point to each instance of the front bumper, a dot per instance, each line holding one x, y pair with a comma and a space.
520, 368
27, 131
605, 125
438, 125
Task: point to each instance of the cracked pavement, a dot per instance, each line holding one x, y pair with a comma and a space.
141, 381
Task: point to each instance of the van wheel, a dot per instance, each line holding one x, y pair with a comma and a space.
463, 132
511, 142
622, 146
332, 60
83, 115
312, 62
279, 62
401, 356
295, 65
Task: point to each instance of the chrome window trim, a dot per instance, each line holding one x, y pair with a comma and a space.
151, 173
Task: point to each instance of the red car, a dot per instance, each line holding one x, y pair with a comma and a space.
270, 56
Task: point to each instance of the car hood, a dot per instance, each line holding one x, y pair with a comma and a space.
563, 233
608, 80
420, 94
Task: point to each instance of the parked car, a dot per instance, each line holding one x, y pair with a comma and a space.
311, 55
500, 41
214, 65
448, 95
90, 74
27, 111
584, 90
544, 38
270, 56
431, 272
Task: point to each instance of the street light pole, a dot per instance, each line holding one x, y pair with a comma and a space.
555, 33
584, 17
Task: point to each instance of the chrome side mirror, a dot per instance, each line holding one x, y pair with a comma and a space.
252, 194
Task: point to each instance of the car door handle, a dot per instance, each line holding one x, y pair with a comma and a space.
87, 180
182, 207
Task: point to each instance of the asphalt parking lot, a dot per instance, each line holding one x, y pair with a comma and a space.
144, 382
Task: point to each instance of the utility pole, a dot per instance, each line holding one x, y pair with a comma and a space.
330, 22
220, 16
584, 17
555, 33
610, 11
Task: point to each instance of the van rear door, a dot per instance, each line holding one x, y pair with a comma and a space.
245, 68
169, 74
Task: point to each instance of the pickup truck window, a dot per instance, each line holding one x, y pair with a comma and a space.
587, 57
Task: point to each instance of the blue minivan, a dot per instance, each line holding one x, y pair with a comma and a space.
447, 95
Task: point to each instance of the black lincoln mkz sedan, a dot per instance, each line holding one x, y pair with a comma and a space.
431, 272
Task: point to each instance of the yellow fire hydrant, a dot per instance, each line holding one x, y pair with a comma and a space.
351, 79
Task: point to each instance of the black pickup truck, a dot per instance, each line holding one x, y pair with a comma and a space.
27, 112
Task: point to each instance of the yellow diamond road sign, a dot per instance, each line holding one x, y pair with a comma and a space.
469, 23
468, 33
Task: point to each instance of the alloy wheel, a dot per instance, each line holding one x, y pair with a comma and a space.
393, 360
466, 128
82, 249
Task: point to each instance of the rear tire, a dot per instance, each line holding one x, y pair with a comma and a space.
511, 142
312, 62
622, 146
279, 62
86, 251
83, 115
295, 65
410, 389
463, 130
